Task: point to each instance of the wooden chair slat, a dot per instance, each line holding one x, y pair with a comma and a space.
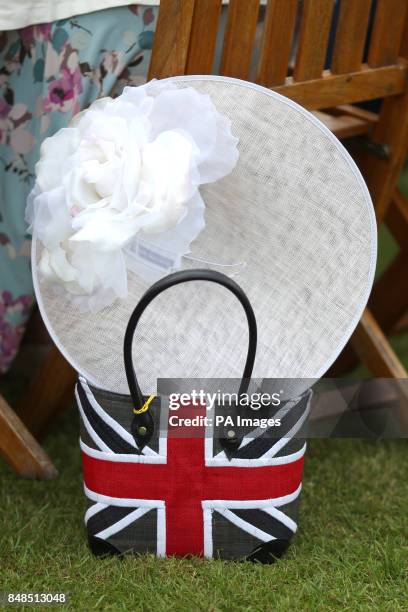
332, 90
239, 38
347, 120
387, 32
313, 38
276, 42
344, 126
350, 36
203, 37
355, 111
173, 30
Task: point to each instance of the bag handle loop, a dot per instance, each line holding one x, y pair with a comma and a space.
142, 426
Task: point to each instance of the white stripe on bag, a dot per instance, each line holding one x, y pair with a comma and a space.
124, 522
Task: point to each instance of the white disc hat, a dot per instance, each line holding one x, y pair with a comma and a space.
292, 224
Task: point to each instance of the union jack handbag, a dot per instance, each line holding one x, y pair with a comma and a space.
222, 494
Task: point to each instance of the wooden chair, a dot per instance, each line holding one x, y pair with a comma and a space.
185, 43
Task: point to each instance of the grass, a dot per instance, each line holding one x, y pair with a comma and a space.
351, 552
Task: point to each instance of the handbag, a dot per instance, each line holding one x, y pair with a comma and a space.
223, 495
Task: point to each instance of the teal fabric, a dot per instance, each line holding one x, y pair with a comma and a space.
48, 73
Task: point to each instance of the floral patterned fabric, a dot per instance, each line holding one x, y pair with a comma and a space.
48, 73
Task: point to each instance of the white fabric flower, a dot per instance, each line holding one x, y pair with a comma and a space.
123, 180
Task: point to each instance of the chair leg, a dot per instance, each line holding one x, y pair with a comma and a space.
48, 393
374, 350
388, 303
394, 282
397, 218
391, 131
389, 299
18, 447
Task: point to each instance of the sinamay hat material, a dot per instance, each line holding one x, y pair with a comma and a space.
291, 233
293, 224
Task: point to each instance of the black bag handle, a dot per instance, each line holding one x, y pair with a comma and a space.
142, 426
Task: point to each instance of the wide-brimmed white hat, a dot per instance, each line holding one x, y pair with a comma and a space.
292, 224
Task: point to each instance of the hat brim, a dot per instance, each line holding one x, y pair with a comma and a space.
295, 227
